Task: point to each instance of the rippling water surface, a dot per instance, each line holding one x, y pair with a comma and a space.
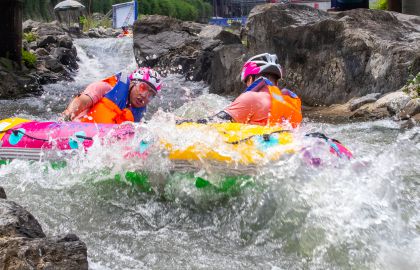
359, 214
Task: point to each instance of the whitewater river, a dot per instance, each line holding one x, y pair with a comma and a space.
359, 214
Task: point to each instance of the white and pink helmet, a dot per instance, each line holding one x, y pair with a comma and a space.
147, 75
262, 63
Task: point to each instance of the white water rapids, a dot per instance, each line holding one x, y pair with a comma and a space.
358, 214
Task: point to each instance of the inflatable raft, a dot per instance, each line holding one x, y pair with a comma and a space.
224, 143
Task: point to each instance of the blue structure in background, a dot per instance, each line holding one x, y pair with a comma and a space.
124, 14
227, 21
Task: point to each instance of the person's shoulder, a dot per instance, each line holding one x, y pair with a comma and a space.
252, 98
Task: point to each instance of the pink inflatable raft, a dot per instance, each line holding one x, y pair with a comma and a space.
247, 144
24, 139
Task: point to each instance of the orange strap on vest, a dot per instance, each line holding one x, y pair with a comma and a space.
112, 80
284, 107
107, 112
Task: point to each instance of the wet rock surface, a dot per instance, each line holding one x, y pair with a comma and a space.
331, 58
61, 59
201, 52
17, 81
56, 59
396, 104
23, 244
356, 56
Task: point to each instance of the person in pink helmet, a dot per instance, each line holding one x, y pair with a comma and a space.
262, 102
113, 101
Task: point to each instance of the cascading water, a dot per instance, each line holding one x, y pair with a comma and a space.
358, 214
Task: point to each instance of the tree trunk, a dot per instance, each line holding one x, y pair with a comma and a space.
411, 7
11, 30
395, 5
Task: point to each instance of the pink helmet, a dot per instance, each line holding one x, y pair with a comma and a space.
262, 63
147, 75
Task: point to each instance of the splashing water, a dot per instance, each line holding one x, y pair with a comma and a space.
358, 214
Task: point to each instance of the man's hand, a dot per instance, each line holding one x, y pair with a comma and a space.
67, 116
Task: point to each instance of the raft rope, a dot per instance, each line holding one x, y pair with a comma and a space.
17, 131
266, 136
321, 136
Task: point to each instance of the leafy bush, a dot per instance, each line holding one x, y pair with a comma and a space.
89, 22
380, 4
182, 9
188, 10
413, 86
30, 37
415, 82
29, 59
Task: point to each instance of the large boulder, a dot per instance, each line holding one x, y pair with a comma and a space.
23, 244
56, 59
199, 51
2, 193
15, 221
48, 29
67, 253
16, 82
331, 58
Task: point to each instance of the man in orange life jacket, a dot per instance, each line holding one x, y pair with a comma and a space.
262, 103
112, 101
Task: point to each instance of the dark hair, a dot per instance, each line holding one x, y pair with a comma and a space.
272, 77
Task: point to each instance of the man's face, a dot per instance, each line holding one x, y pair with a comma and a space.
141, 94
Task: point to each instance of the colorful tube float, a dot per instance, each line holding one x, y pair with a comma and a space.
224, 142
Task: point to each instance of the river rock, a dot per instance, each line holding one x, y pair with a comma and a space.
154, 24
331, 58
2, 193
15, 221
410, 123
358, 102
93, 33
46, 40
369, 112
66, 57
32, 46
23, 244
215, 32
43, 253
29, 25
53, 64
56, 59
53, 28
40, 52
199, 51
65, 42
410, 109
416, 118
394, 102
15, 82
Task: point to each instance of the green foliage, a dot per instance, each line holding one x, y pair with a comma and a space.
380, 4
189, 10
29, 59
182, 9
41, 10
204, 9
413, 85
29, 37
88, 22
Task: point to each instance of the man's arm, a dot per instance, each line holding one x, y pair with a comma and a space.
76, 106
90, 96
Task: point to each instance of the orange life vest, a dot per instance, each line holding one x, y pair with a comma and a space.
106, 111
284, 107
